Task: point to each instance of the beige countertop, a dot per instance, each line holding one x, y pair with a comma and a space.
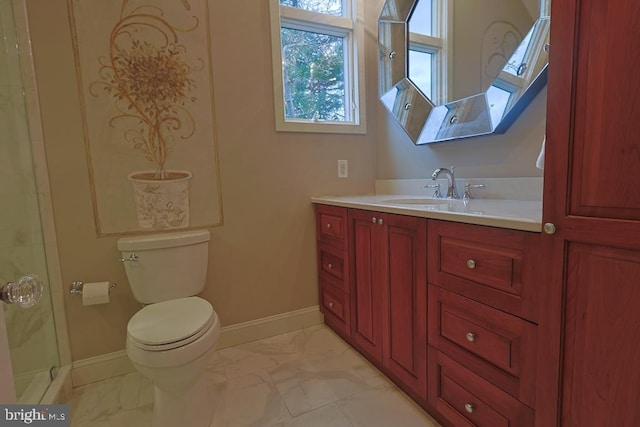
514, 214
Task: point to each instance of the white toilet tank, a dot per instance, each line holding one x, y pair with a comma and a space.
166, 266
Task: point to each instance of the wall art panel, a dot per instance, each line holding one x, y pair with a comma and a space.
145, 75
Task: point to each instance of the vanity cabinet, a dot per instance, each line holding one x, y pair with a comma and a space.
465, 399
388, 288
495, 266
333, 268
368, 251
376, 300
464, 346
589, 374
482, 323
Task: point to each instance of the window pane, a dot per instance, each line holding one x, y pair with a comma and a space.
420, 66
421, 20
330, 7
313, 75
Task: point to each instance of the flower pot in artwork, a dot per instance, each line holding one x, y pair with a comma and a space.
161, 203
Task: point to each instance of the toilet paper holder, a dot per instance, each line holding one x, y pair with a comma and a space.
77, 286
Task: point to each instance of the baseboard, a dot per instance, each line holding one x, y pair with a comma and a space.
110, 365
269, 326
93, 369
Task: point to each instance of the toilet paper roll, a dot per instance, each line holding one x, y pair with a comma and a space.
95, 293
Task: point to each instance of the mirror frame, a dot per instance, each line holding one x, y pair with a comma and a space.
422, 120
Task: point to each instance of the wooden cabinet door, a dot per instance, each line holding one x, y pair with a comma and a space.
601, 373
369, 274
404, 303
591, 293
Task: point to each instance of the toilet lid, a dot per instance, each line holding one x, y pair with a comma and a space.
170, 321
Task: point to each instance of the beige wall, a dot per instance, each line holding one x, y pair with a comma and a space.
262, 260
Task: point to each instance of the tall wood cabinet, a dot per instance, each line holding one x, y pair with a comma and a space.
589, 365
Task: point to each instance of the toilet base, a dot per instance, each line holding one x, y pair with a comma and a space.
192, 408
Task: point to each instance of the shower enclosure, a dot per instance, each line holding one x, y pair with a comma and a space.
31, 332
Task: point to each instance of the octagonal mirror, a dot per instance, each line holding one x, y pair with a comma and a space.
450, 69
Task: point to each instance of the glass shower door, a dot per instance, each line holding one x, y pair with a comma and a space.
31, 331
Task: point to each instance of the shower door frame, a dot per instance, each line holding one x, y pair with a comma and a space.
7, 389
41, 176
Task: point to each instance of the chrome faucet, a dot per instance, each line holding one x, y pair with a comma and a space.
452, 191
467, 191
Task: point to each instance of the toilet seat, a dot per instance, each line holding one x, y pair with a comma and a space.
178, 356
170, 324
172, 344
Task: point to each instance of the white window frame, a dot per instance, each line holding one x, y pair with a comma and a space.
351, 28
439, 45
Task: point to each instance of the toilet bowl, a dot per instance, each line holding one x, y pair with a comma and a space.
170, 343
171, 339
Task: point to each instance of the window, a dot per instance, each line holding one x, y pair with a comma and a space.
428, 69
317, 55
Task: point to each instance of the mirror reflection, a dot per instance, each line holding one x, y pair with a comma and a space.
451, 70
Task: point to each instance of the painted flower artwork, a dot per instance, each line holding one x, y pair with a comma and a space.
150, 81
146, 84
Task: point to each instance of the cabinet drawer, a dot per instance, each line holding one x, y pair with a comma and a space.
335, 306
331, 224
495, 266
332, 263
465, 399
496, 345
480, 263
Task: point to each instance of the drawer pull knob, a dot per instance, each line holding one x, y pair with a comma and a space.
550, 228
469, 407
374, 220
330, 266
380, 221
471, 264
329, 225
330, 304
471, 337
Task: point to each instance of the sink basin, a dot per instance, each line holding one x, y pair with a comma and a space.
418, 201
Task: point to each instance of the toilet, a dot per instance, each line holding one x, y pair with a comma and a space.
171, 339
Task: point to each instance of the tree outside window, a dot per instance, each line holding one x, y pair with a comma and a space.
313, 75
316, 72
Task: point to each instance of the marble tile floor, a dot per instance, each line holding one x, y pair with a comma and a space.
306, 378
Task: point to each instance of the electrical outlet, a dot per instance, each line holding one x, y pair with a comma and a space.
343, 169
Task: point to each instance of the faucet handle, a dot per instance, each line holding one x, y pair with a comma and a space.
468, 186
467, 190
436, 193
